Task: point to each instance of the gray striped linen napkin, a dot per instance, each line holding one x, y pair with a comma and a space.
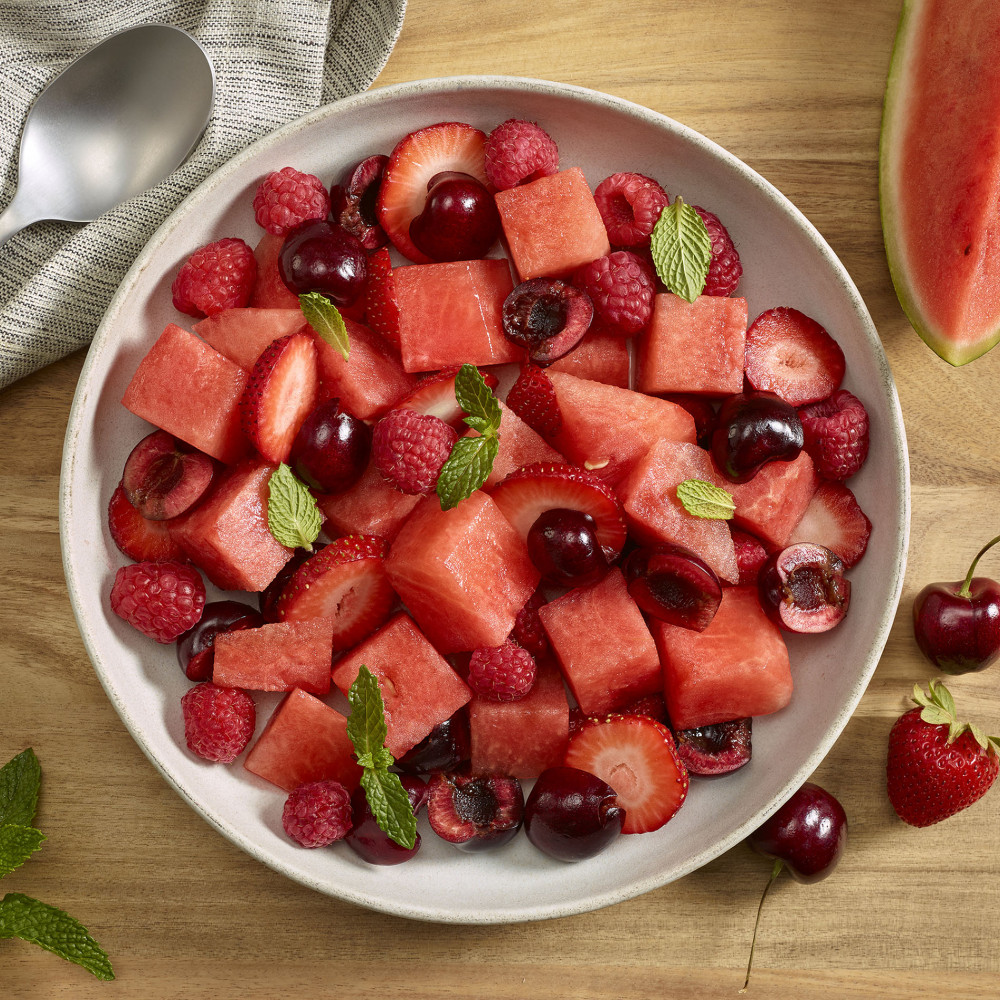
274, 61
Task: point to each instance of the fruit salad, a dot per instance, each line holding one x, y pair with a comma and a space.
510, 448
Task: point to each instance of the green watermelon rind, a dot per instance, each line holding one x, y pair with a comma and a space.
892, 122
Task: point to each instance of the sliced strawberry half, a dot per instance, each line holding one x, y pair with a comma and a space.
834, 519
435, 396
417, 158
791, 355
137, 537
344, 581
533, 489
279, 395
637, 757
381, 306
533, 398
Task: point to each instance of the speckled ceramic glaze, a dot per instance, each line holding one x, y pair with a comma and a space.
786, 262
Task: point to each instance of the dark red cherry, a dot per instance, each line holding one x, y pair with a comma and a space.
717, 749
572, 814
563, 545
319, 256
802, 588
444, 748
196, 646
546, 317
163, 478
353, 197
368, 840
475, 812
674, 584
459, 220
752, 429
331, 449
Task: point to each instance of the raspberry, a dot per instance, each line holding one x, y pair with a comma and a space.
725, 270
217, 276
528, 631
533, 398
518, 151
502, 673
629, 204
161, 599
750, 556
836, 434
409, 449
288, 197
621, 286
218, 721
317, 813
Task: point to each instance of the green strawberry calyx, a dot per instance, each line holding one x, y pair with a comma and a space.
938, 709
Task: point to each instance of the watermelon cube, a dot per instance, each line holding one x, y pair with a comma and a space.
607, 429
269, 291
772, 503
463, 573
606, 652
370, 507
654, 514
191, 391
519, 445
276, 657
370, 380
304, 740
737, 667
450, 314
552, 225
693, 346
602, 356
521, 738
242, 334
419, 687
227, 535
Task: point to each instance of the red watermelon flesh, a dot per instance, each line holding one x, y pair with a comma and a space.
450, 314
772, 503
606, 652
276, 657
463, 573
269, 291
602, 356
519, 445
190, 390
737, 667
939, 174
607, 429
304, 740
521, 738
419, 688
552, 225
242, 334
370, 507
227, 535
654, 514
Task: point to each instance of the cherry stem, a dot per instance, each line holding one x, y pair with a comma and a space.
966, 591
775, 872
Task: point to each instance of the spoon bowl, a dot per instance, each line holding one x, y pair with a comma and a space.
115, 122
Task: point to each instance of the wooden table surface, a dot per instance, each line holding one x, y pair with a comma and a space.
795, 90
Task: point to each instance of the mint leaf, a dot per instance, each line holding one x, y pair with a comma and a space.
475, 397
52, 929
324, 317
17, 844
390, 805
292, 515
367, 730
682, 249
466, 469
706, 500
20, 780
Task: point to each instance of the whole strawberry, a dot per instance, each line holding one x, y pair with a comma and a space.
937, 766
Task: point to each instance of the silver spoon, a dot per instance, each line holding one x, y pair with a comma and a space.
115, 122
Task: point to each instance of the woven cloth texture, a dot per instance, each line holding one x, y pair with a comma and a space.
274, 60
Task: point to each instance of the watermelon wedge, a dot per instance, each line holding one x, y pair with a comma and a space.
939, 174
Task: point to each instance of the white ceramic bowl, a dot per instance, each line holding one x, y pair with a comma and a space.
786, 262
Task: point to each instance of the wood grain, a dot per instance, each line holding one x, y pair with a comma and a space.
795, 90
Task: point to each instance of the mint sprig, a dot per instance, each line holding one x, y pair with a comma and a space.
681, 249
471, 459
21, 916
367, 730
703, 499
292, 515
324, 317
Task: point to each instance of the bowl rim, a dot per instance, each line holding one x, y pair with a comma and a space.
481, 83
